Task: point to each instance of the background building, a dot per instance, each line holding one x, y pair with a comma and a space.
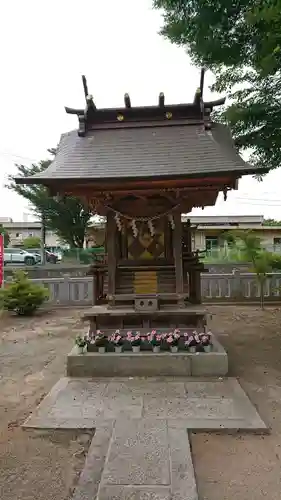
19, 231
210, 233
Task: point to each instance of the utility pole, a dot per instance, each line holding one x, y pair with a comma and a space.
42, 239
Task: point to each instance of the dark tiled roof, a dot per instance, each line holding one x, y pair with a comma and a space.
171, 151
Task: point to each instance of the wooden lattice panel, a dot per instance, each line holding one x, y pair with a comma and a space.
145, 246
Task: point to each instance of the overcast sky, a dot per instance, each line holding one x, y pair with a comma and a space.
45, 48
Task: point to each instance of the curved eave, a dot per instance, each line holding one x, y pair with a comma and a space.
48, 181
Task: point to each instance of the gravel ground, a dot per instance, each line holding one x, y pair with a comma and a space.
36, 465
46, 465
244, 467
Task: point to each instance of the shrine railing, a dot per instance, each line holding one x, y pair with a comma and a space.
239, 287
215, 288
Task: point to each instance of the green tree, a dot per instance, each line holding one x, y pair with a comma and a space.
32, 242
240, 41
271, 222
6, 235
262, 262
67, 217
22, 296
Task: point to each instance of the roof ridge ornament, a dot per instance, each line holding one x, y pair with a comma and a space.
127, 100
93, 118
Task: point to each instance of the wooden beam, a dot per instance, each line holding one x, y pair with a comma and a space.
82, 125
168, 240
132, 185
197, 97
187, 235
127, 101
202, 77
128, 189
85, 86
111, 253
73, 111
90, 102
177, 244
218, 102
161, 100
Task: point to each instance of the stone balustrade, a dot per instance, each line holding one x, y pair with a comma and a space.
216, 288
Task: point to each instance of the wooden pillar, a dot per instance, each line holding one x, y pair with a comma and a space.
168, 239
197, 286
177, 244
111, 257
187, 237
95, 289
124, 243
193, 284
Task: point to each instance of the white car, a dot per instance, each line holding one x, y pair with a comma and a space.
19, 256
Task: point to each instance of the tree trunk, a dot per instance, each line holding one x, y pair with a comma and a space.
262, 281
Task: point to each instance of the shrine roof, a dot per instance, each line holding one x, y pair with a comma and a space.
167, 141
144, 152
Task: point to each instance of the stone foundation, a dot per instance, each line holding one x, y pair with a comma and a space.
148, 364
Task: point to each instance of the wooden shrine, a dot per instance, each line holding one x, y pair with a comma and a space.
142, 167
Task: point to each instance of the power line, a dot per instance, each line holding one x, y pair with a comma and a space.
259, 199
4, 153
263, 205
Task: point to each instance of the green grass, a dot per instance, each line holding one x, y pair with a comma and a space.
222, 255
81, 255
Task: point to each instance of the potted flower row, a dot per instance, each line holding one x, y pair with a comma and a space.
194, 342
153, 338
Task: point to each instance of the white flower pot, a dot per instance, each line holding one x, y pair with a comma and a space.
208, 348
174, 348
136, 348
156, 348
118, 349
101, 350
81, 349
192, 349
